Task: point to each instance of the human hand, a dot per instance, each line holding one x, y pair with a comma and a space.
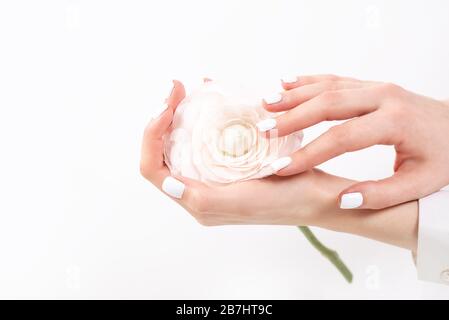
303, 199
298, 200
380, 113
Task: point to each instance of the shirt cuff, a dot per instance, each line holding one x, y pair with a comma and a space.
433, 238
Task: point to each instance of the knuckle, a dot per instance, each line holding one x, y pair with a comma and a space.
377, 206
379, 203
330, 98
330, 85
325, 111
374, 198
338, 134
391, 89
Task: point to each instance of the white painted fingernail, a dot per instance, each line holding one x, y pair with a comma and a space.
173, 187
289, 79
266, 125
351, 200
280, 163
159, 110
275, 98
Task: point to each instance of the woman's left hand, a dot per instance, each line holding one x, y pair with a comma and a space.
298, 200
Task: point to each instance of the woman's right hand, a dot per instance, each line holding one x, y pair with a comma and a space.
380, 113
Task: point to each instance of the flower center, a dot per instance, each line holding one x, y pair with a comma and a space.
236, 139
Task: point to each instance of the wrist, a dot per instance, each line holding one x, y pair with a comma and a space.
328, 213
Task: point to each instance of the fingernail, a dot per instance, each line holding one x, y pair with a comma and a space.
275, 98
159, 110
351, 200
289, 79
173, 187
266, 125
280, 163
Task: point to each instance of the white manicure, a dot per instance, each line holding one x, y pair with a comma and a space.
275, 98
290, 79
266, 125
280, 163
159, 110
351, 200
173, 187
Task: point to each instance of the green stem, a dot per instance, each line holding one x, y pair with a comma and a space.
330, 254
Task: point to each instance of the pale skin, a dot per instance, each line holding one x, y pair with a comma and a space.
308, 198
378, 114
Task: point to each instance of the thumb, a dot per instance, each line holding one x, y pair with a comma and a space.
401, 187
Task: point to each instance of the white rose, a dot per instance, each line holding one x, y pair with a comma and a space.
214, 138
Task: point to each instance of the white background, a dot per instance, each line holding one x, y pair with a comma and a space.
79, 81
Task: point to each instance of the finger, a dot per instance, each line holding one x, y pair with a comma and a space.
152, 158
297, 81
290, 99
350, 136
331, 105
291, 82
177, 94
152, 161
404, 186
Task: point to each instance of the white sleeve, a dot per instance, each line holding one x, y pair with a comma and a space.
433, 238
